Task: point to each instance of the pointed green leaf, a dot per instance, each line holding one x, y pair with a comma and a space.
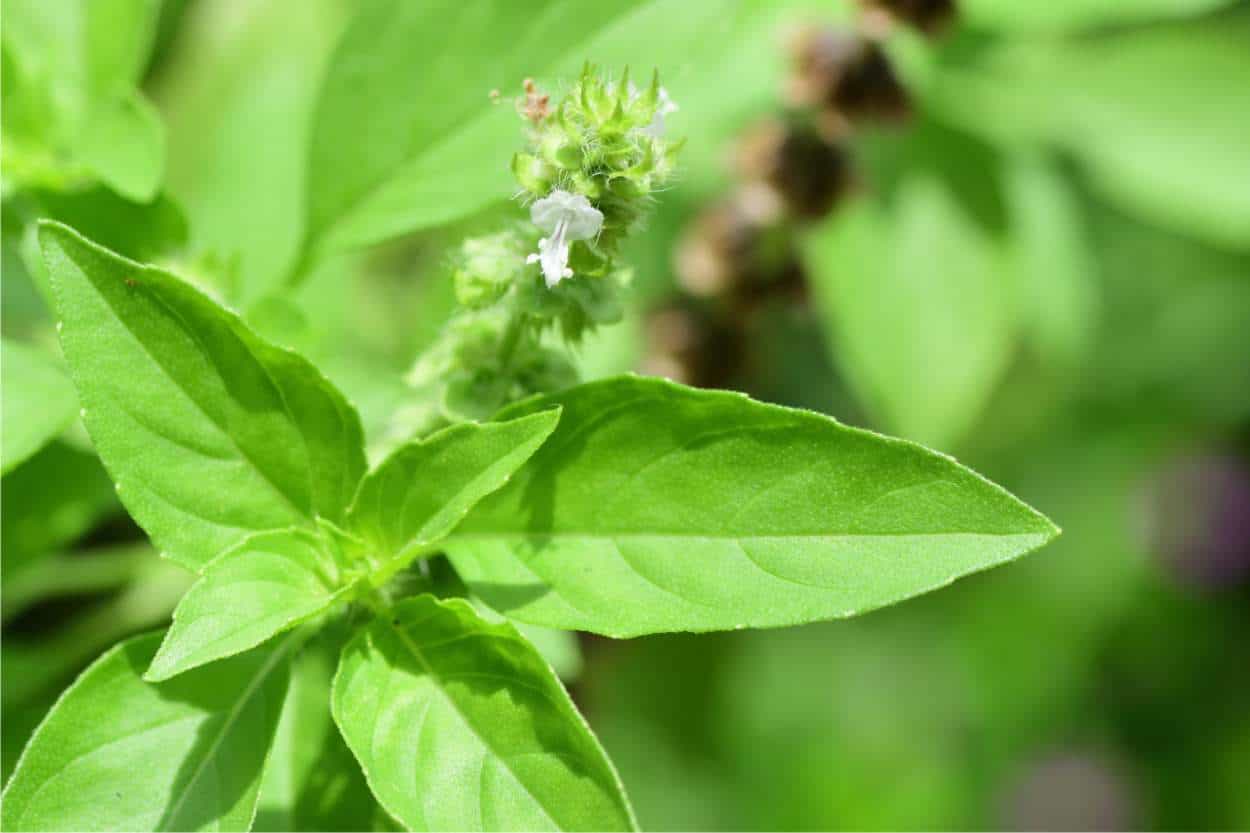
38, 403
919, 309
460, 725
419, 493
655, 507
244, 198
124, 145
312, 780
267, 584
72, 106
210, 433
117, 753
1154, 115
48, 502
419, 74
1054, 266
150, 231
1070, 15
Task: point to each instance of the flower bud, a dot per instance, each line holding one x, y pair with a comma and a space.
588, 175
486, 267
605, 142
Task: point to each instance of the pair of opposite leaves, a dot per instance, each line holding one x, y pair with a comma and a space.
623, 507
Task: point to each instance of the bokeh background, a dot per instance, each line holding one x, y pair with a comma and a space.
1018, 232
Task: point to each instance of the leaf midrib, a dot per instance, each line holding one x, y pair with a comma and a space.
126, 326
420, 657
286, 409
837, 536
285, 621
232, 716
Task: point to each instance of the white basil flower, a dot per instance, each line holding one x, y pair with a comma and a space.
565, 217
664, 106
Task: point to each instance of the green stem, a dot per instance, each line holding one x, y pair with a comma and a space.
511, 338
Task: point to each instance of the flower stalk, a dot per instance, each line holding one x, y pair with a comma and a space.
530, 292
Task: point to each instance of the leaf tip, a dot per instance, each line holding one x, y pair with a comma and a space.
151, 676
164, 665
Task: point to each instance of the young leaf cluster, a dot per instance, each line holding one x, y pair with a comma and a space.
624, 507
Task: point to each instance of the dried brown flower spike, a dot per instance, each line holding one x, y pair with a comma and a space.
846, 75
535, 105
716, 253
929, 16
688, 344
808, 172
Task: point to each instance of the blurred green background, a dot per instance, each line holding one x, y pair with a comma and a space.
1042, 268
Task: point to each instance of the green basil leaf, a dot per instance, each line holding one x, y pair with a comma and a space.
117, 753
655, 507
1068, 15
422, 490
42, 663
418, 75
124, 145
920, 313
1124, 106
210, 433
1054, 264
1177, 158
1177, 304
266, 584
38, 403
140, 231
49, 502
80, 573
461, 725
74, 107
312, 780
256, 77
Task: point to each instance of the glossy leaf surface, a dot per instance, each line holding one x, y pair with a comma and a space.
460, 725
210, 433
265, 585
422, 490
655, 507
118, 753
39, 402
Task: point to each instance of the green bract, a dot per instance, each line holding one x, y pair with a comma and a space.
604, 141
